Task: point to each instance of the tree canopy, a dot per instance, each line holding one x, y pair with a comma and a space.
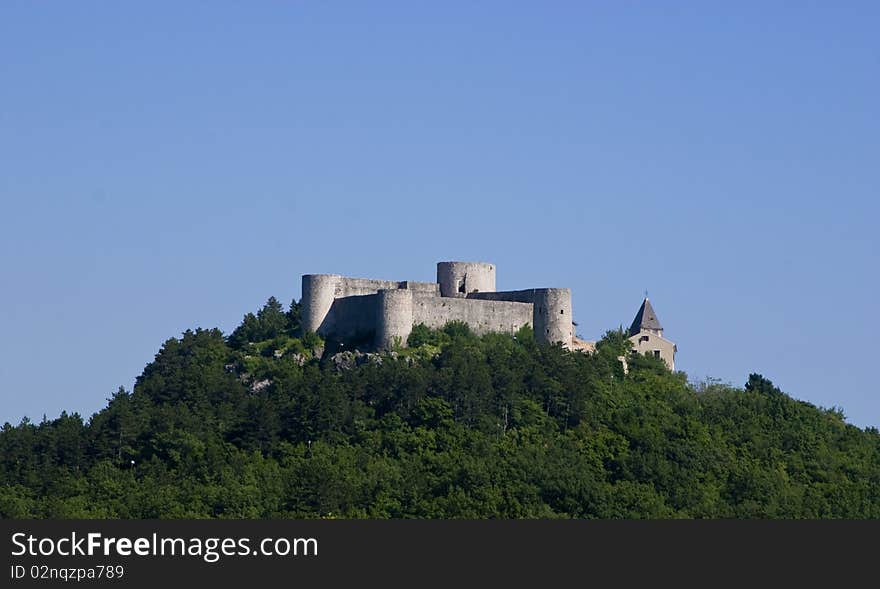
259, 425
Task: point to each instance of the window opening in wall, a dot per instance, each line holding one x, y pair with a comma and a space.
562, 311
656, 353
461, 286
644, 338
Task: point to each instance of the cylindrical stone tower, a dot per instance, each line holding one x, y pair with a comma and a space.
457, 279
394, 318
552, 316
318, 293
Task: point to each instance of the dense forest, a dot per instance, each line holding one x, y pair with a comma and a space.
269, 422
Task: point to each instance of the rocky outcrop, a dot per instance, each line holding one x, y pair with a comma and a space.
353, 358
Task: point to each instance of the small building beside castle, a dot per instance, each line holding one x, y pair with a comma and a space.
646, 335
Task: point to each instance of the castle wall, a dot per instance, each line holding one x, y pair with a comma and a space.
351, 318
349, 287
483, 316
428, 287
519, 296
327, 310
552, 318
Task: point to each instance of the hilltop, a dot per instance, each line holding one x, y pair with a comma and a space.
270, 422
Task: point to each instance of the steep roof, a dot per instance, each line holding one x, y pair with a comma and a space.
646, 318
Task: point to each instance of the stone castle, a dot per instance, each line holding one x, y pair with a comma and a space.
383, 312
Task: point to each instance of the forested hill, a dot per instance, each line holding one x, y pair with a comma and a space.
257, 425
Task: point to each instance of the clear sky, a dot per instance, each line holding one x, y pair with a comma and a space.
171, 165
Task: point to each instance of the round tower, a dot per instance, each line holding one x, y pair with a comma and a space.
318, 293
552, 316
458, 279
394, 318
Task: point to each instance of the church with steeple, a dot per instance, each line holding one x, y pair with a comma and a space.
646, 335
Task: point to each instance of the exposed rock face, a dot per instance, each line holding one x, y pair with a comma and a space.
353, 358
345, 360
260, 385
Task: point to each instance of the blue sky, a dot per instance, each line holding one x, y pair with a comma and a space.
166, 166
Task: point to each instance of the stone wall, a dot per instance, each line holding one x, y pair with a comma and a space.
482, 316
348, 287
552, 318
519, 296
351, 318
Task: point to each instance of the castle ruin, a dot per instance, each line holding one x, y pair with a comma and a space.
343, 308
382, 313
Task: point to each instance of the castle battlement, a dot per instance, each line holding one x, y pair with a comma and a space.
337, 307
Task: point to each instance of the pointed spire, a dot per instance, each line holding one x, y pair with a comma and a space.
646, 319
